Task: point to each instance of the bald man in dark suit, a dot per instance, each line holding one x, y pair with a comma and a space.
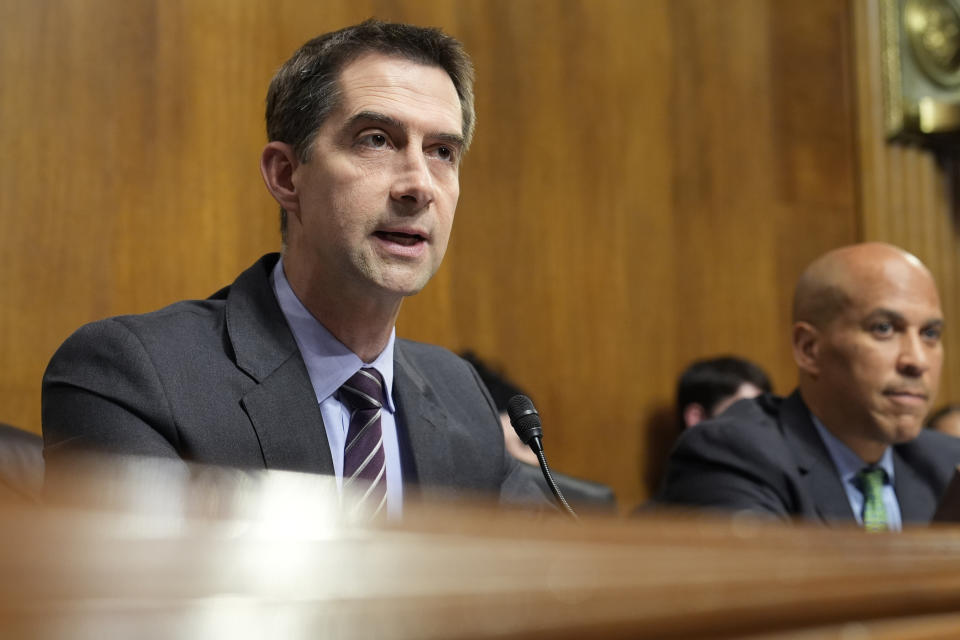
848, 445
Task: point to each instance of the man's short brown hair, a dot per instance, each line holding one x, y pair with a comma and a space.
305, 90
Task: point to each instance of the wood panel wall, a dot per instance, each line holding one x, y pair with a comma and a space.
647, 181
909, 195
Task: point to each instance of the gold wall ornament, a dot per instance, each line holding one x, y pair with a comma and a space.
921, 67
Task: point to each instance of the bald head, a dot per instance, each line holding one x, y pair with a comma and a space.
866, 339
832, 282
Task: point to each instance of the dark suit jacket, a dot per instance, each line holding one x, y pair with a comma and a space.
765, 455
221, 381
582, 495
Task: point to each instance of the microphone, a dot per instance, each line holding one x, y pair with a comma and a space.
526, 422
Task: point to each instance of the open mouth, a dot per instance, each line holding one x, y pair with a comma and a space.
399, 237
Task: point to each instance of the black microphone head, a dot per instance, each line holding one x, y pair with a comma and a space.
524, 418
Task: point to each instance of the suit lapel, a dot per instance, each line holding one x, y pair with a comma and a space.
815, 468
917, 502
287, 419
425, 422
282, 406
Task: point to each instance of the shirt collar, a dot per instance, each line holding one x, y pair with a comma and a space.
847, 462
329, 362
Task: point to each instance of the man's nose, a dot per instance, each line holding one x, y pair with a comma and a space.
914, 359
414, 184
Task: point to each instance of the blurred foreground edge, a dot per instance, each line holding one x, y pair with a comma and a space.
153, 549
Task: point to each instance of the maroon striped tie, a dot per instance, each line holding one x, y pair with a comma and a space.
364, 463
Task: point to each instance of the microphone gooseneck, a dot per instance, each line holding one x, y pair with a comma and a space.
526, 422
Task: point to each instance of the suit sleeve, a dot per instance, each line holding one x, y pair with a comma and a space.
726, 467
102, 393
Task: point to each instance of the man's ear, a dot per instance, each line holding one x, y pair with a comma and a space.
277, 165
693, 414
806, 347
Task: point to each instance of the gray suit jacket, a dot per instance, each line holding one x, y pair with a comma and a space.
766, 456
221, 381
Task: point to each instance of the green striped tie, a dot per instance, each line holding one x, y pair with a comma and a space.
870, 481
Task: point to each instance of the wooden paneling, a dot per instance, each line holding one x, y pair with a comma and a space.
908, 195
130, 136
647, 181
681, 170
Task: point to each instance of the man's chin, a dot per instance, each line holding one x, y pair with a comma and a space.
403, 287
905, 429
403, 282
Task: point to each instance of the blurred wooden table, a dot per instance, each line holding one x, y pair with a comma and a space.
254, 556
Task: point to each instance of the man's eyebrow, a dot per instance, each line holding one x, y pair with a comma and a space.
375, 116
449, 138
888, 314
899, 317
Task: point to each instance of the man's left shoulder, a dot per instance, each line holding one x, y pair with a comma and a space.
932, 447
445, 374
431, 360
423, 350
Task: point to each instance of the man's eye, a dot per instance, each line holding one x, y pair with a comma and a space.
445, 153
932, 334
881, 329
375, 140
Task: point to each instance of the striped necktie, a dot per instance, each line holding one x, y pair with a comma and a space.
870, 481
364, 463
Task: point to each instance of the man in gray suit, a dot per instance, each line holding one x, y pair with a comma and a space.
848, 444
367, 127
